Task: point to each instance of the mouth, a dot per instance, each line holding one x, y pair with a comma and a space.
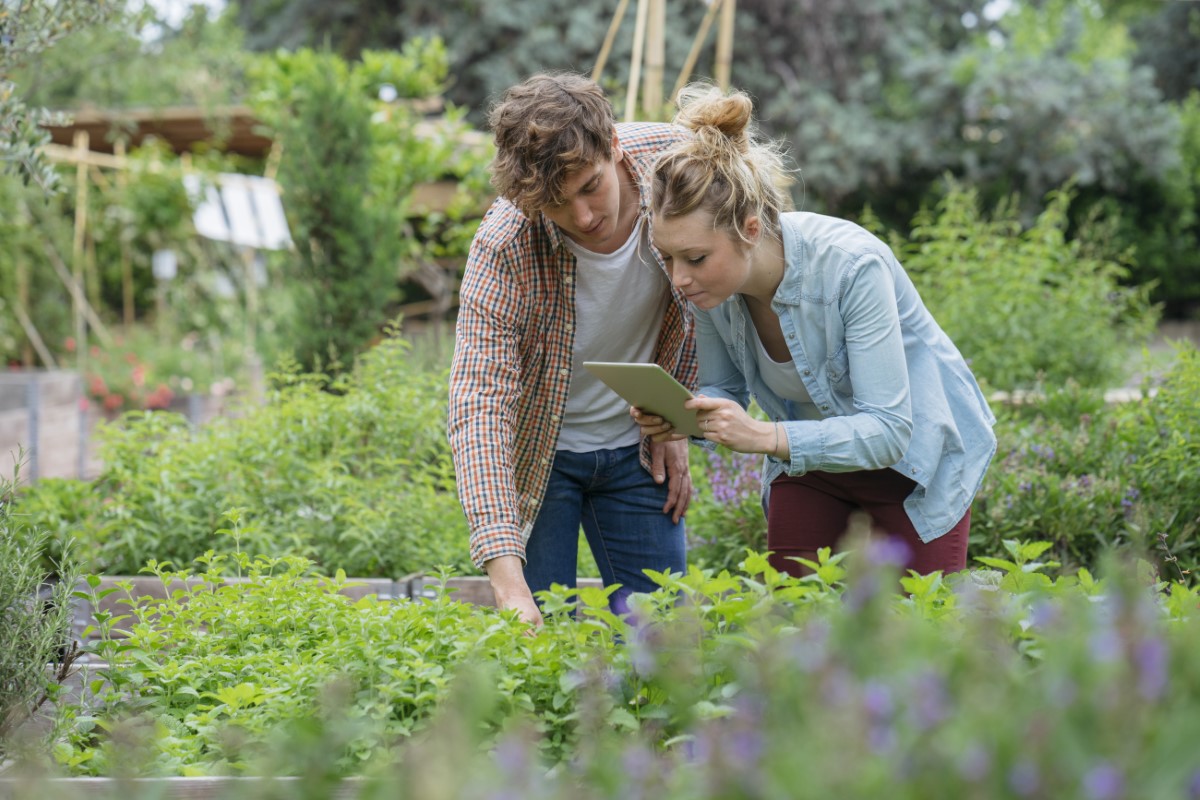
594, 229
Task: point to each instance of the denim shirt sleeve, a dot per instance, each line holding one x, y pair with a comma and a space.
876, 434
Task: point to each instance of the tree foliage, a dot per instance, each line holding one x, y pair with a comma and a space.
27, 29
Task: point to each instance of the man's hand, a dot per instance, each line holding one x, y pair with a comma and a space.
511, 590
669, 460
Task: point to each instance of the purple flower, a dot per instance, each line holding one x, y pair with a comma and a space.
1193, 787
975, 762
1023, 778
887, 551
1151, 654
1105, 645
1103, 782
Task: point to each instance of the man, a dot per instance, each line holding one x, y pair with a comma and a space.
561, 271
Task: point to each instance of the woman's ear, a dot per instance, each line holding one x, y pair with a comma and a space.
752, 228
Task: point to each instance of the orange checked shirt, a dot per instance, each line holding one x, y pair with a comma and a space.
512, 358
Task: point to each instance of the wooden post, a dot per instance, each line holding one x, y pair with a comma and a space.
652, 88
635, 61
609, 37
724, 64
81, 199
127, 309
685, 74
23, 306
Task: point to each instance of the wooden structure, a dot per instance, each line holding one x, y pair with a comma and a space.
649, 48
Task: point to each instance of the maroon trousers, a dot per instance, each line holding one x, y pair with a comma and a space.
812, 511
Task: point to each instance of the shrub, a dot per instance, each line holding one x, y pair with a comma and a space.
354, 473
35, 625
1025, 307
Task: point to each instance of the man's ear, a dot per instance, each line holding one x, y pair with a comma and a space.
617, 152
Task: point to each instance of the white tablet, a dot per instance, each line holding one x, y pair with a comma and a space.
650, 388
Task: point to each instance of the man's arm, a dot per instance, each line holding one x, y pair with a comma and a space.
484, 387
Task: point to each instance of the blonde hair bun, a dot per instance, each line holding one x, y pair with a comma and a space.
707, 111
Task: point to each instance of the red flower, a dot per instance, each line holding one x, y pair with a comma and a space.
69, 344
114, 402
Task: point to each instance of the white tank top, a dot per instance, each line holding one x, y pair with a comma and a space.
621, 299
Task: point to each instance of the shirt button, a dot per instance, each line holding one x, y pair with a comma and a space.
824, 408
808, 372
554, 417
570, 327
545, 461
564, 372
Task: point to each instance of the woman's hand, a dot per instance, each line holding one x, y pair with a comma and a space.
725, 422
657, 428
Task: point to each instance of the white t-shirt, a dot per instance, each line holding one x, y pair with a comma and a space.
621, 299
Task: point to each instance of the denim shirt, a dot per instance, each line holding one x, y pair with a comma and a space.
891, 388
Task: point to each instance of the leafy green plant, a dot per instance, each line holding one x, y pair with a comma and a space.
354, 473
36, 647
1027, 308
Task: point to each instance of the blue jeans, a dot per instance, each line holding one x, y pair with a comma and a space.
621, 510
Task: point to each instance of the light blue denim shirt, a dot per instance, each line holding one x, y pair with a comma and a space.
892, 389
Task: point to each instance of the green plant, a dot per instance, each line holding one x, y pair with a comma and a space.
1027, 308
36, 643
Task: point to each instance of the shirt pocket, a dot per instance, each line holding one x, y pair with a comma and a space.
837, 367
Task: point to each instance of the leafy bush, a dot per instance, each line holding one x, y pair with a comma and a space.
35, 625
1025, 307
355, 474
1090, 478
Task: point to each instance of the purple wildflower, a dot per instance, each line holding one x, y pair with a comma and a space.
1023, 778
1193, 787
1151, 654
887, 551
975, 762
1103, 782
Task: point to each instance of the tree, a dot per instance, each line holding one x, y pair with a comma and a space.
27, 29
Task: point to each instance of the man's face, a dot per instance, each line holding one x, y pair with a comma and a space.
591, 212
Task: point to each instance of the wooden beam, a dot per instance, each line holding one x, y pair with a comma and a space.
635, 61
652, 87
693, 55
724, 64
609, 37
77, 296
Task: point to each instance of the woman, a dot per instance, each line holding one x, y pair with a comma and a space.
870, 404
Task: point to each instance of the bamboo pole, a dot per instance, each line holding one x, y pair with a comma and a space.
652, 87
127, 310
609, 37
725, 45
693, 55
635, 61
77, 296
22, 305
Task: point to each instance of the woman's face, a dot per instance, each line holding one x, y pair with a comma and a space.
709, 266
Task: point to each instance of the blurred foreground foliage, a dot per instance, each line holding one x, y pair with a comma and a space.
998, 682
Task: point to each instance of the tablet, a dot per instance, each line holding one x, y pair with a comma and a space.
650, 388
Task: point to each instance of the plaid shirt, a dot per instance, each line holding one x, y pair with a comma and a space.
512, 359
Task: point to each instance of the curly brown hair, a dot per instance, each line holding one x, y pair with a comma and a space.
546, 128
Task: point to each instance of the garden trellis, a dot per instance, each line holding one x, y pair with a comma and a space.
649, 48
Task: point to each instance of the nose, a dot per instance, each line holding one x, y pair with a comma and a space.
583, 214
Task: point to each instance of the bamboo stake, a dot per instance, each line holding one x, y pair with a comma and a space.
81, 187
22, 305
35, 338
652, 87
693, 55
725, 45
635, 61
127, 310
86, 311
609, 37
